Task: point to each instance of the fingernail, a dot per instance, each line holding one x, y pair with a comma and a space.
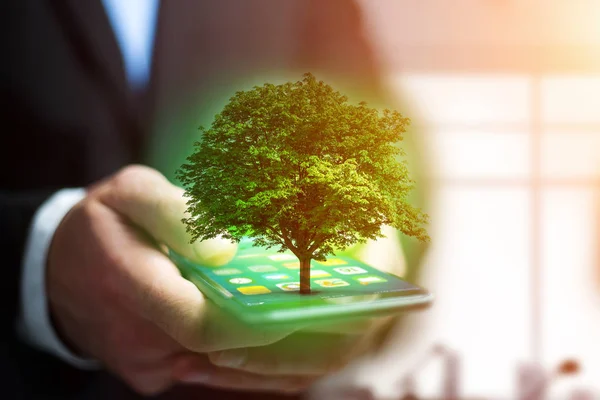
233, 358
196, 377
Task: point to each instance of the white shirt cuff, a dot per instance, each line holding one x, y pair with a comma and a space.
35, 326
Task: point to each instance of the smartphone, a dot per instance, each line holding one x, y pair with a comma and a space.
261, 286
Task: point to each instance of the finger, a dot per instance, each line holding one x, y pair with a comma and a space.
347, 326
224, 330
354, 326
198, 369
151, 202
307, 353
298, 354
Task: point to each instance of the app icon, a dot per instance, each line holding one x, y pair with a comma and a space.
276, 277
262, 268
289, 286
350, 270
227, 271
319, 273
369, 279
249, 290
333, 282
253, 255
240, 281
332, 261
282, 257
292, 265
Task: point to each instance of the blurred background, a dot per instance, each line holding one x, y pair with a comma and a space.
505, 95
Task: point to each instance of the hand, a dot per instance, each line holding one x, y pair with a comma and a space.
115, 297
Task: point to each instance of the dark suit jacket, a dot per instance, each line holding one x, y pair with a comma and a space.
67, 117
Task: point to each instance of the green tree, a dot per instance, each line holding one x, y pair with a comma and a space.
299, 167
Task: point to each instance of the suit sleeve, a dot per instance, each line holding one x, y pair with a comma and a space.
16, 213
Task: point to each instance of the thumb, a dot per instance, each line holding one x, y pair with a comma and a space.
151, 281
152, 288
152, 203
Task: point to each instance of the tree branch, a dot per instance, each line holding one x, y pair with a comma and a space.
285, 239
318, 241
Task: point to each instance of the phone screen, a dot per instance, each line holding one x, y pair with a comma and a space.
260, 276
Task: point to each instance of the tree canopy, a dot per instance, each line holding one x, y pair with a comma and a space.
299, 167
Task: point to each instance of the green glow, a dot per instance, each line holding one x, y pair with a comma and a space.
177, 130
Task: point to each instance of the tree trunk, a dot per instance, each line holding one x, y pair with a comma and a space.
305, 276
